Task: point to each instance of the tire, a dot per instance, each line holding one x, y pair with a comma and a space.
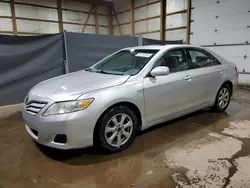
224, 94
110, 128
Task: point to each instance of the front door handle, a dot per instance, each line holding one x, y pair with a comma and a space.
220, 70
188, 78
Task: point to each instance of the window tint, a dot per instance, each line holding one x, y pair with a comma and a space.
201, 59
174, 60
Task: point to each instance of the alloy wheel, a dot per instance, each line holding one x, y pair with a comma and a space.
223, 98
118, 130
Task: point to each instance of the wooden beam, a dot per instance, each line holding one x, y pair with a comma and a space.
163, 19
147, 4
188, 21
132, 17
145, 19
127, 10
120, 31
177, 12
13, 15
110, 19
7, 17
7, 32
80, 11
176, 28
86, 22
125, 23
38, 20
32, 33
96, 19
148, 32
59, 13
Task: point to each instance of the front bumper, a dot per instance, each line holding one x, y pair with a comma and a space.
77, 126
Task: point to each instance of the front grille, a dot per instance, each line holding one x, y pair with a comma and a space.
34, 107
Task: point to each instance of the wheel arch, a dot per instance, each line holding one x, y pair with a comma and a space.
127, 104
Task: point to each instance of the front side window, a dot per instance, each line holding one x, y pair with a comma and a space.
175, 60
126, 62
200, 59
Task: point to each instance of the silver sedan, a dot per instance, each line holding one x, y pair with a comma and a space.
130, 90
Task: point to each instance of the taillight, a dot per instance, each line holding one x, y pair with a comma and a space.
236, 70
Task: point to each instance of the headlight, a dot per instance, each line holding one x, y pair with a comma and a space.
67, 107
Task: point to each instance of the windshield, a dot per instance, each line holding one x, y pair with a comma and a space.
126, 62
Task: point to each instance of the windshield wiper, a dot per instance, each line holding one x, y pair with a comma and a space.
104, 72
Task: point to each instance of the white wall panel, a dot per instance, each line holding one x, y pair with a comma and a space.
75, 5
36, 12
152, 36
140, 2
121, 5
125, 29
5, 9
140, 26
116, 30
51, 3
175, 5
236, 55
78, 28
114, 22
154, 24
123, 17
222, 23
37, 27
103, 10
103, 30
103, 20
141, 13
6, 24
176, 35
76, 17
176, 20
91, 19
154, 10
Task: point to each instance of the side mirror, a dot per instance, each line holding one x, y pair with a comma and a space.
160, 71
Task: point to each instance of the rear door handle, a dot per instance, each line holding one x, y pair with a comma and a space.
188, 78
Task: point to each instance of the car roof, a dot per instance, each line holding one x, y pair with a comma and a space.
160, 47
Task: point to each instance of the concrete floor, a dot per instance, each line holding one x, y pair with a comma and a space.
200, 150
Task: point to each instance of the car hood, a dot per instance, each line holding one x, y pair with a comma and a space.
73, 85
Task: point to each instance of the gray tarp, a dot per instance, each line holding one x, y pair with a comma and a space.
25, 61
85, 50
160, 42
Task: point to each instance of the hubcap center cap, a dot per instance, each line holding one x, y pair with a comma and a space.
119, 129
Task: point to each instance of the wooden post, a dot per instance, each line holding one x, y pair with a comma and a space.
96, 19
110, 19
188, 21
163, 19
132, 17
13, 16
86, 22
60, 17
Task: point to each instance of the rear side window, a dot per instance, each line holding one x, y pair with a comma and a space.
200, 59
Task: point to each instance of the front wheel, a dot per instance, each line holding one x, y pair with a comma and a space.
116, 129
222, 99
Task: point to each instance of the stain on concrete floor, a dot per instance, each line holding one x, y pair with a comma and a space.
199, 150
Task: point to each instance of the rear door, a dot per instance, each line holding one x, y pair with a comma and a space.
207, 75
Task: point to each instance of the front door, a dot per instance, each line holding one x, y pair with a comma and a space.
167, 95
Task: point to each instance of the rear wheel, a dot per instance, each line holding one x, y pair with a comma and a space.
222, 99
116, 129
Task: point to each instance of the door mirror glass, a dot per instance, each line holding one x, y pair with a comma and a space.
160, 71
